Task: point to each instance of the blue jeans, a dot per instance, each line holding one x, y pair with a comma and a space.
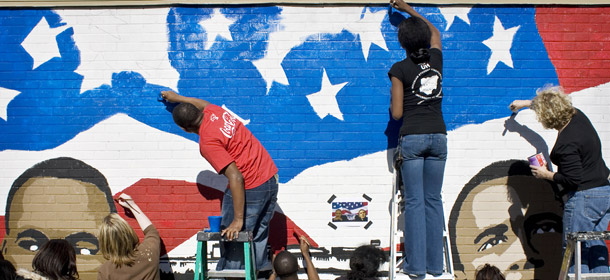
423, 166
259, 208
589, 210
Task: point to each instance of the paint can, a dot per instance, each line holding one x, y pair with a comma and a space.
537, 160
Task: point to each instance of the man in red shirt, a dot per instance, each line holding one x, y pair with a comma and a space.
232, 150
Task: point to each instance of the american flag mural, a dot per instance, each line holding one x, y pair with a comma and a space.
310, 82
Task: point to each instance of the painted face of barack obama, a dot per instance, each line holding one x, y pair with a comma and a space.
508, 218
61, 198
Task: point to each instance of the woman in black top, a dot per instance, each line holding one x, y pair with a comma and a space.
581, 171
416, 99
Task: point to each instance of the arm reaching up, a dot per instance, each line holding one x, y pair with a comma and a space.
312, 272
435, 38
126, 201
173, 97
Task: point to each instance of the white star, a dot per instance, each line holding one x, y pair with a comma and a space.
450, 13
115, 40
369, 30
217, 25
324, 102
292, 32
41, 43
500, 43
6, 96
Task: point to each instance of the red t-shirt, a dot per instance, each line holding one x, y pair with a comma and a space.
224, 139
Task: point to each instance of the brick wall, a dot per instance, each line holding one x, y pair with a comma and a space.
310, 82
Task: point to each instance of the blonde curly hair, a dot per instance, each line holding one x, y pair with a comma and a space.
553, 107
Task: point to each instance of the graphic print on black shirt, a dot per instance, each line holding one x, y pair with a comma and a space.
427, 84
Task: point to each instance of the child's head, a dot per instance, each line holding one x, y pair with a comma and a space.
56, 259
489, 272
286, 265
365, 262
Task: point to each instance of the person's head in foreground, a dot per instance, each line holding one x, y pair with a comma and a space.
7, 270
365, 262
56, 260
553, 107
286, 265
489, 272
118, 240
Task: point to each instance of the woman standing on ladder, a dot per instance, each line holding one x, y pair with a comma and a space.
581, 171
416, 99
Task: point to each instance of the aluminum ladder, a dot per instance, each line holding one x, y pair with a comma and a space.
573, 246
395, 235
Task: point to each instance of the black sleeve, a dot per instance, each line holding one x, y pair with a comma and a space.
396, 72
570, 170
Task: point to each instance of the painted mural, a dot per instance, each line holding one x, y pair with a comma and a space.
506, 217
81, 121
61, 198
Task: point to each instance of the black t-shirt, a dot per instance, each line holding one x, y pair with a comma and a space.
578, 156
423, 94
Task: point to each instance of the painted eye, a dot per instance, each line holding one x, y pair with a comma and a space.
86, 248
497, 240
546, 227
31, 239
543, 230
84, 243
29, 244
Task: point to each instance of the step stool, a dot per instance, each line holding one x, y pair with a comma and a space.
201, 259
573, 240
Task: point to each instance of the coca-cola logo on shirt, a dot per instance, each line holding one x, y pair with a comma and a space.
228, 128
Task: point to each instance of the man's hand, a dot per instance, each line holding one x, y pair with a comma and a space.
273, 275
173, 97
312, 272
304, 243
170, 96
233, 229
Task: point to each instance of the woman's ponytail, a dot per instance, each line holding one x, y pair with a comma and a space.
420, 56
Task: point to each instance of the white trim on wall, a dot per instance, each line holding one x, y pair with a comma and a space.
100, 3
